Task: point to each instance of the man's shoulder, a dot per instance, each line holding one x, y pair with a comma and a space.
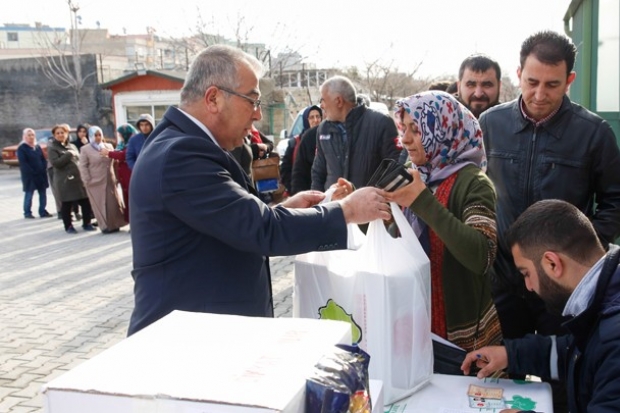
579, 112
500, 110
375, 115
380, 122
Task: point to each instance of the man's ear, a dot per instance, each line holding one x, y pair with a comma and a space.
212, 99
553, 264
570, 79
339, 101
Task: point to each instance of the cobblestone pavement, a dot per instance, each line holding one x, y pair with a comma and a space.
65, 298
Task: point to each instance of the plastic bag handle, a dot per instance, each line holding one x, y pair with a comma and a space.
406, 232
401, 222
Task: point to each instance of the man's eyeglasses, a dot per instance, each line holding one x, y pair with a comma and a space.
255, 102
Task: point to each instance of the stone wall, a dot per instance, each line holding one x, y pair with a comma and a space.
30, 99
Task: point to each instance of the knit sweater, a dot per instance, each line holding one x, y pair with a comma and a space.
468, 231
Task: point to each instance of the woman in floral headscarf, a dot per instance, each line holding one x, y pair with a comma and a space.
451, 207
100, 182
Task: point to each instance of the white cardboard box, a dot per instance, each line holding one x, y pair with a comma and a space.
193, 362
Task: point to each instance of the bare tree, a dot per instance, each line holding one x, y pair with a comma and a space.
383, 81
61, 62
509, 91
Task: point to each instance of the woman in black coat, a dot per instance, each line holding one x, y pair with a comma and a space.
33, 168
64, 158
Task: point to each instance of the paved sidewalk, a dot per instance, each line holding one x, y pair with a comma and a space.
65, 298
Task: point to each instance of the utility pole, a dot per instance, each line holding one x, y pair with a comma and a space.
75, 51
281, 81
75, 39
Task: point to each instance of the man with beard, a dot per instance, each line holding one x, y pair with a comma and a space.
479, 83
557, 249
543, 146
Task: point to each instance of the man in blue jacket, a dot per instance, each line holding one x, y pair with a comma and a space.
558, 252
201, 236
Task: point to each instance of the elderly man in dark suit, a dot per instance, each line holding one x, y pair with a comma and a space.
201, 237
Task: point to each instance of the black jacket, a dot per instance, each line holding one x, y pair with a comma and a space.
573, 156
371, 137
589, 357
301, 177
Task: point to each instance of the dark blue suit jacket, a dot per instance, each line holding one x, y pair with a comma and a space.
201, 238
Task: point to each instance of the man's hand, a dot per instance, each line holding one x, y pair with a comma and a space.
489, 359
365, 205
262, 149
304, 199
342, 188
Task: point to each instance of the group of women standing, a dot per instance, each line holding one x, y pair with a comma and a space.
89, 177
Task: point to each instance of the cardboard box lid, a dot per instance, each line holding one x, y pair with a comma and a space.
200, 357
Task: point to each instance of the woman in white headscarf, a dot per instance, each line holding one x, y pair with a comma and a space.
33, 168
98, 176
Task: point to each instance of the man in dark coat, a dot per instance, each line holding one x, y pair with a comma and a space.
557, 249
33, 168
201, 237
353, 139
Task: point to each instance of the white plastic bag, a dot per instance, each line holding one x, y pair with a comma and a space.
383, 290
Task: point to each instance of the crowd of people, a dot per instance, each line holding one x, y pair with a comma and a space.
87, 174
516, 204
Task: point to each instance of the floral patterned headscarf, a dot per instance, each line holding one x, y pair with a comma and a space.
451, 135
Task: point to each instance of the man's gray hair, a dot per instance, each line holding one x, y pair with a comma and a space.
216, 65
340, 85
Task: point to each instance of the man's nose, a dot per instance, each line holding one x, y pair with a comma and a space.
258, 114
539, 93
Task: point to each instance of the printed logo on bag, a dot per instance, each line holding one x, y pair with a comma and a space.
332, 311
324, 137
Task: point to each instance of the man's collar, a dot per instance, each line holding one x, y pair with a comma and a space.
200, 125
537, 123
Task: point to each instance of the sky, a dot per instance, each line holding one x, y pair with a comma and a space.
435, 35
